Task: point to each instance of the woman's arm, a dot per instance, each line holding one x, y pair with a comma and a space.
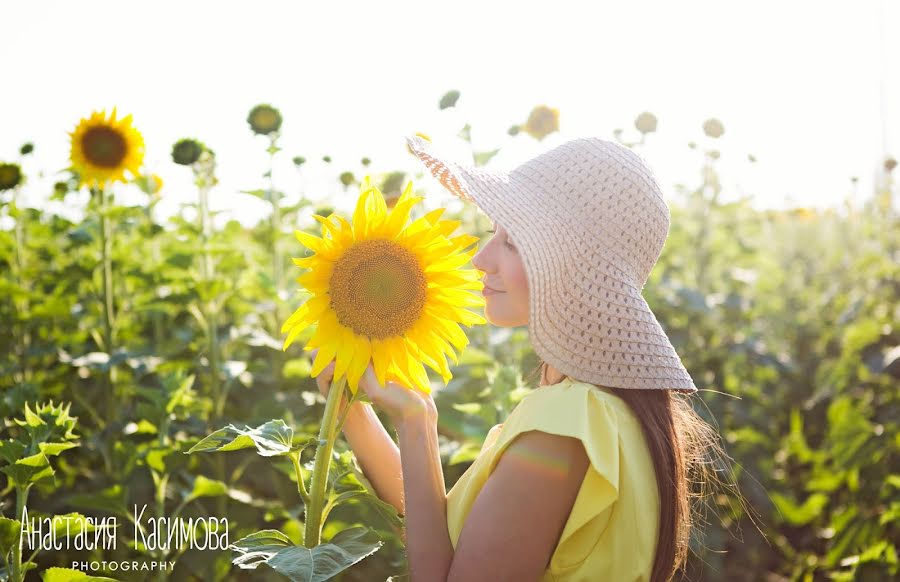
378, 455
428, 546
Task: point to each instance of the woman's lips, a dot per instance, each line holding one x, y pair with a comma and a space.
488, 291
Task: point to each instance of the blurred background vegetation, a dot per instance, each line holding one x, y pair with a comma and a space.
155, 335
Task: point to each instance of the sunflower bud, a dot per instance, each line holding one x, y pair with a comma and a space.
645, 122
264, 119
347, 178
542, 122
187, 151
26, 148
299, 161
713, 128
10, 176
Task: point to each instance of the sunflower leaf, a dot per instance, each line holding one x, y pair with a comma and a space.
270, 439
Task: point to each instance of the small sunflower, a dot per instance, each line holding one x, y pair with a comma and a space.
187, 151
645, 122
387, 291
542, 121
103, 148
264, 119
10, 176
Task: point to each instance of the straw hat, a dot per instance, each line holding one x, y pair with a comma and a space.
590, 221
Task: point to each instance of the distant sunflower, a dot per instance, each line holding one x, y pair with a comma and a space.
388, 291
542, 121
104, 148
10, 176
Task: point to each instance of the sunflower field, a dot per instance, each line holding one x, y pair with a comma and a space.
145, 374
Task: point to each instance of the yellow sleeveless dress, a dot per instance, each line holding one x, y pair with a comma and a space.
611, 532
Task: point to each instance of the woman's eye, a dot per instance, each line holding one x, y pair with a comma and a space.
510, 245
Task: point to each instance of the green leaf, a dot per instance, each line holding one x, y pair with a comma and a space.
271, 439
473, 356
296, 368
10, 530
204, 487
51, 449
298, 563
11, 450
67, 575
111, 499
30, 470
796, 514
468, 407
464, 454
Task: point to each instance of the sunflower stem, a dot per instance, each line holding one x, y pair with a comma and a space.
24, 337
322, 464
301, 484
208, 274
108, 299
276, 249
205, 183
156, 320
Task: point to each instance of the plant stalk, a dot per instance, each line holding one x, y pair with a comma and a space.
322, 464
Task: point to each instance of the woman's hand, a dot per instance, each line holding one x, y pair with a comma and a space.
397, 401
323, 380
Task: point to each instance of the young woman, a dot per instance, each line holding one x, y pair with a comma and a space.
588, 478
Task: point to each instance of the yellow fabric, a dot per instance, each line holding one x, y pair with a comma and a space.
611, 531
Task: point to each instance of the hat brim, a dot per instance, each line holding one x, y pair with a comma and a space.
629, 349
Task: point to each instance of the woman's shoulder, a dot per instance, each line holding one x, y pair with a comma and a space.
569, 389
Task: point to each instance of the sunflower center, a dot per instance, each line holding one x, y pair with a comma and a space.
104, 147
378, 289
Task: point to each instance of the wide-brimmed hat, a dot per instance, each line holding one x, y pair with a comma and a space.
589, 220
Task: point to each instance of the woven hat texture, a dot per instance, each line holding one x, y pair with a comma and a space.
590, 221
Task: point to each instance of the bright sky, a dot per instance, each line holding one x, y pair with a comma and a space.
797, 84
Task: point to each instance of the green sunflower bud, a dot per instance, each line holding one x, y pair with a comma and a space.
264, 119
10, 176
187, 151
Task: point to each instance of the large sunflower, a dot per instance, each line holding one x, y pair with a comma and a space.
104, 148
386, 290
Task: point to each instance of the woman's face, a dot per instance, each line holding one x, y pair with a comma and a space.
503, 270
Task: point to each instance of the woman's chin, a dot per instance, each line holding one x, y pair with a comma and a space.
498, 318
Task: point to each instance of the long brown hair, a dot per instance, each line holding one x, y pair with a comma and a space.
682, 446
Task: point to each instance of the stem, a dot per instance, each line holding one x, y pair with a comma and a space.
322, 464
24, 338
211, 314
208, 272
161, 485
154, 249
301, 485
276, 249
17, 572
108, 298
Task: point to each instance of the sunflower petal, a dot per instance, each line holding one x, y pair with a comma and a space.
345, 354
362, 353
323, 357
381, 360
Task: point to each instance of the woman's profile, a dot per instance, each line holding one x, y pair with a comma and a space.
590, 476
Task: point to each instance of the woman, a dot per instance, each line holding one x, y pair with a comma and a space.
588, 477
